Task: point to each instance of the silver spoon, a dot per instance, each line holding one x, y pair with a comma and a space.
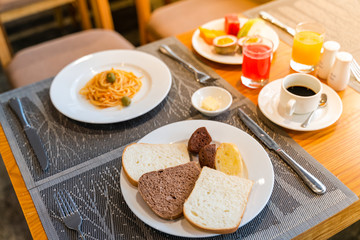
322, 103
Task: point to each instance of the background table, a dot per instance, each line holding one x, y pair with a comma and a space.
335, 147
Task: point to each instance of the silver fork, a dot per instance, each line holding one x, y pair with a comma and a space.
355, 69
69, 212
199, 76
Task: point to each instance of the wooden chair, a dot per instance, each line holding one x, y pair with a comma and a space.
11, 10
46, 59
185, 15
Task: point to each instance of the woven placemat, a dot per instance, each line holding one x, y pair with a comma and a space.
85, 160
340, 18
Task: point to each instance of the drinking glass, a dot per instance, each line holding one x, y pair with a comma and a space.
306, 50
257, 54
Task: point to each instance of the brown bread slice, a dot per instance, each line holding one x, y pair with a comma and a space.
199, 139
165, 191
207, 156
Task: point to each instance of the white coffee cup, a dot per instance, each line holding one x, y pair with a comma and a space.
300, 93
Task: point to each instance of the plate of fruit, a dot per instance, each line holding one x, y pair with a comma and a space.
221, 40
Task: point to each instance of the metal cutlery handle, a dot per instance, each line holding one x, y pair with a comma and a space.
271, 19
307, 121
31, 134
170, 53
312, 182
16, 106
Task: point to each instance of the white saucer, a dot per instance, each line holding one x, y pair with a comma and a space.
268, 101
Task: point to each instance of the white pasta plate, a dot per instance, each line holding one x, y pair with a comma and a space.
257, 162
207, 51
155, 77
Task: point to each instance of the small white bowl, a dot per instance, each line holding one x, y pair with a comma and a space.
220, 94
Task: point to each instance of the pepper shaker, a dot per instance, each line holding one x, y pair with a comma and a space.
327, 58
340, 72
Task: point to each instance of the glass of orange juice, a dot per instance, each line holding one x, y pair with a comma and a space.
306, 50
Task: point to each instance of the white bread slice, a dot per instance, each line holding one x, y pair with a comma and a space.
140, 158
218, 201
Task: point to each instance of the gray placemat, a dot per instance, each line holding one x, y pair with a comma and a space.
340, 18
86, 161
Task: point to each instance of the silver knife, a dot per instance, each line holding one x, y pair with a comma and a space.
31, 133
312, 182
266, 16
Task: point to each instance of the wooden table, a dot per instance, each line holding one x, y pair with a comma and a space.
336, 147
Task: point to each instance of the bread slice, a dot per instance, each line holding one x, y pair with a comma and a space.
207, 156
140, 158
218, 201
199, 139
165, 190
229, 160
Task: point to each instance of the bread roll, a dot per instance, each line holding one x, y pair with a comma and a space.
207, 156
228, 160
199, 139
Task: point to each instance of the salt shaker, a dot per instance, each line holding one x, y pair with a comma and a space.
339, 74
327, 58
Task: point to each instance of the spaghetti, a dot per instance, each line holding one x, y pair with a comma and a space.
106, 89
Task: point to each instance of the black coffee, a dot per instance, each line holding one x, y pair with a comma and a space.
301, 91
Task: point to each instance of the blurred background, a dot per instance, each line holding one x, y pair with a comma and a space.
29, 31
45, 26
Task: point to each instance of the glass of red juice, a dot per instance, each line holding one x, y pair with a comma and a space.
257, 53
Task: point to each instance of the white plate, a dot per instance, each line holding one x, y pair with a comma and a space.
259, 166
268, 101
207, 51
64, 90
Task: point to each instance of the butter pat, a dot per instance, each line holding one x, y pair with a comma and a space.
210, 104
